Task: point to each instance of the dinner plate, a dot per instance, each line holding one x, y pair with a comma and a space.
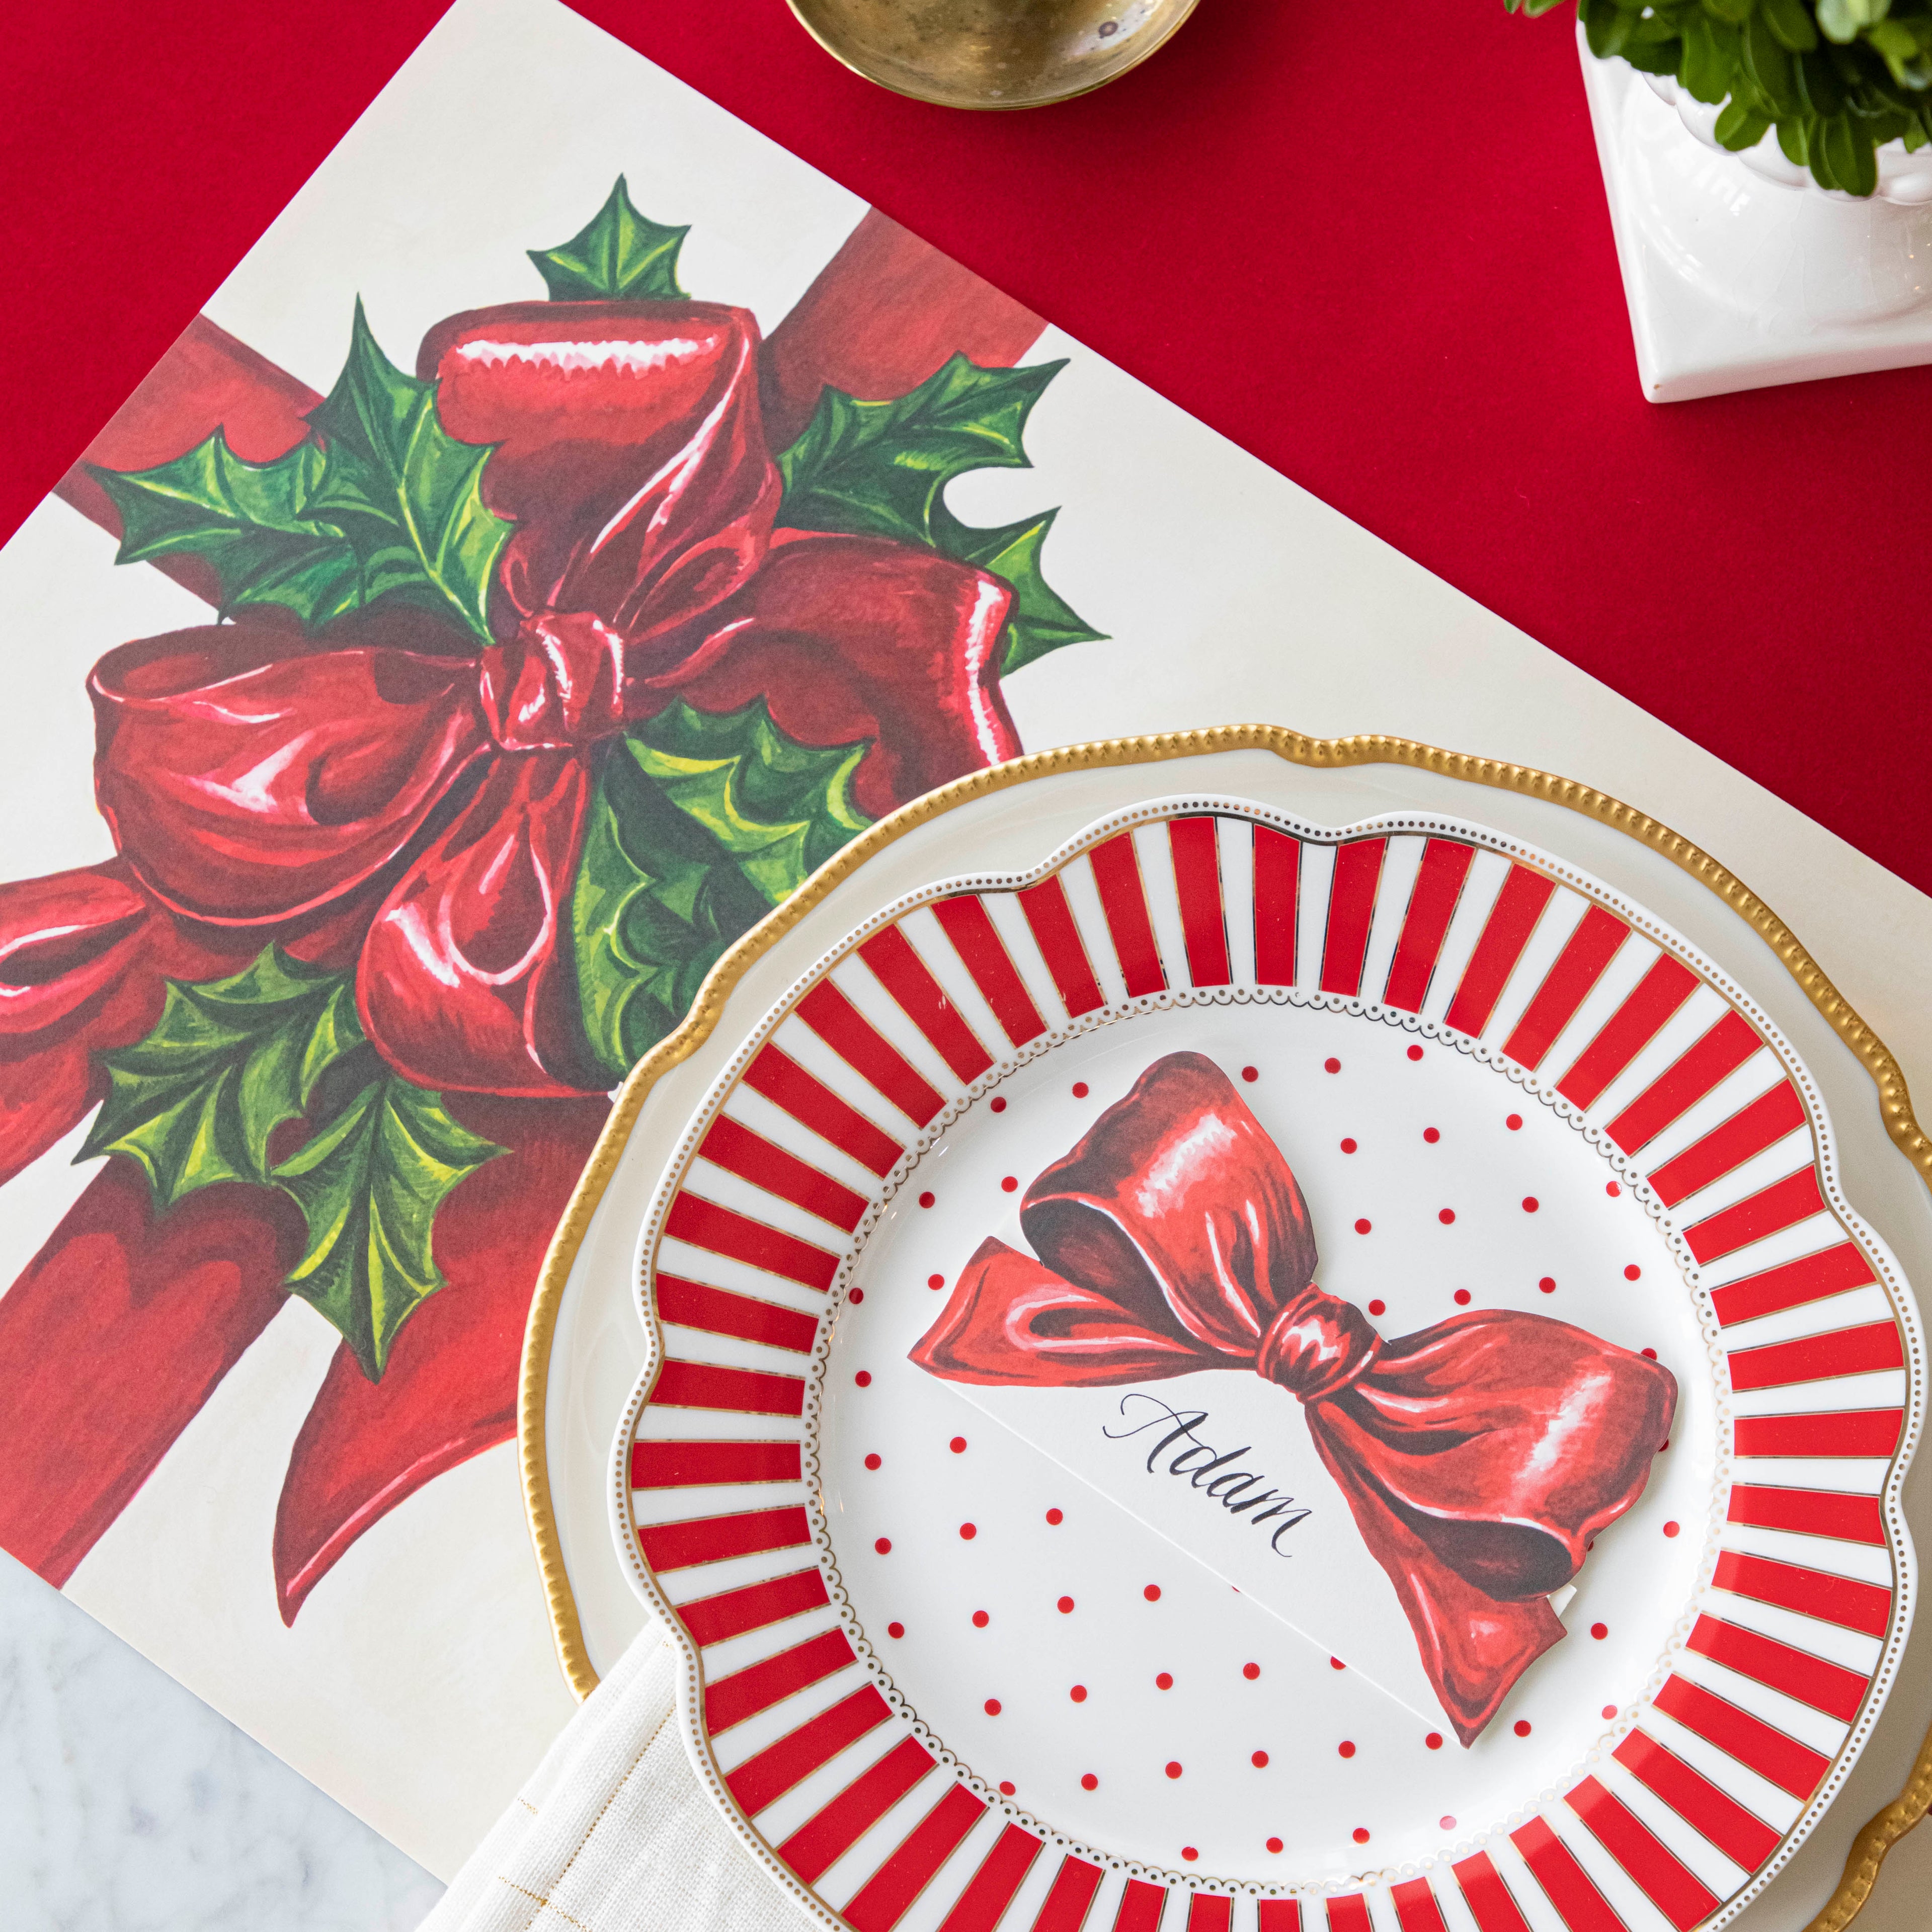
1256, 1371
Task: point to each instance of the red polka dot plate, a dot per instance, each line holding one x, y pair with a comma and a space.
1256, 1377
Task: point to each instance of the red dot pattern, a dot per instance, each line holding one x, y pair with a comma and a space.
1188, 1854
1331, 1067
1007, 1787
1009, 1184
999, 1103
1612, 1188
884, 1546
1514, 1123
1251, 1073
1633, 1273
926, 1199
1164, 1680
857, 1295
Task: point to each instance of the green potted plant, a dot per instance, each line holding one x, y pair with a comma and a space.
1832, 81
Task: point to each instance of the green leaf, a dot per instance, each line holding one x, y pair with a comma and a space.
229, 1060
621, 256
250, 521
1769, 66
881, 470
1738, 127
369, 1185
403, 491
1708, 58
700, 825
1791, 21
1734, 13
1039, 620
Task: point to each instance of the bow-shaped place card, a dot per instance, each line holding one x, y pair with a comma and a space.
1440, 1487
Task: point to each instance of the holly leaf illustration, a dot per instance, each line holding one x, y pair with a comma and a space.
881, 470
403, 491
1039, 620
369, 1184
229, 1060
251, 521
701, 825
621, 256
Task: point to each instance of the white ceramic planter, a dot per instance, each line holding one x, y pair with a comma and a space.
1740, 271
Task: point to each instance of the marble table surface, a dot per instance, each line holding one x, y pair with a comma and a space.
127, 1805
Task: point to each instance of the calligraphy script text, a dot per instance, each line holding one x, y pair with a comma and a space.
1237, 1491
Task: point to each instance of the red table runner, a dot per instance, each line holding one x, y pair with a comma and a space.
1369, 244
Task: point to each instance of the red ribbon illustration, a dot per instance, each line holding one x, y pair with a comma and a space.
1480, 1457
253, 776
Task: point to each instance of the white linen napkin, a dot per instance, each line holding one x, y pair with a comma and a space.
613, 1833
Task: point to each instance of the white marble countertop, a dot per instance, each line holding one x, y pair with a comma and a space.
127, 1805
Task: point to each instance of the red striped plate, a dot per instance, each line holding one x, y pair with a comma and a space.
942, 1684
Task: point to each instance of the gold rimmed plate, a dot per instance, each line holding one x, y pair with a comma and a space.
586, 1345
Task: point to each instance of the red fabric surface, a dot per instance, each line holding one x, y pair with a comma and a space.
1425, 326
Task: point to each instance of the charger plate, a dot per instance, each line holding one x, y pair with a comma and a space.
949, 1666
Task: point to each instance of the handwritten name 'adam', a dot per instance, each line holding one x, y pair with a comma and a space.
1205, 1468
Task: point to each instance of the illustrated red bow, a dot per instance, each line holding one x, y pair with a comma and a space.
1480, 1457
252, 775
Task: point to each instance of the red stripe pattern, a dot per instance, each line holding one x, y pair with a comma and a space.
1351, 910
1197, 878
1277, 905
1432, 905
1660, 1876
725, 1462
1505, 935
967, 924
1116, 871
922, 999
1743, 1837
888, 1894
